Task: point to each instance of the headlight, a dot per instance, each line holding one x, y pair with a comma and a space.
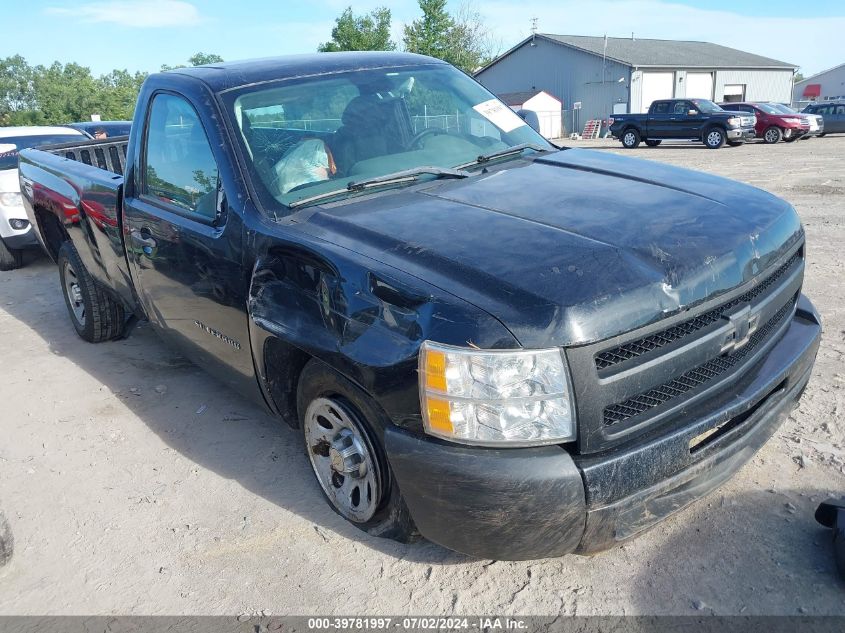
792, 121
495, 397
734, 121
11, 199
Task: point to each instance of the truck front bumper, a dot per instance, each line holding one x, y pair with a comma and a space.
742, 134
528, 503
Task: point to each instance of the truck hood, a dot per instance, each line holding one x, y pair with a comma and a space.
572, 247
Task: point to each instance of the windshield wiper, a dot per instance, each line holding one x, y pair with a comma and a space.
516, 149
396, 178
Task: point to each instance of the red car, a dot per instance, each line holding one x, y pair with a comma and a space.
772, 124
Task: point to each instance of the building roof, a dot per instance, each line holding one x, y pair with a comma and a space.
518, 98
659, 53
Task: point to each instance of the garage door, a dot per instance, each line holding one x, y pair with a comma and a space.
657, 86
700, 85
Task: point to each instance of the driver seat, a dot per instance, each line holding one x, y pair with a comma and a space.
370, 127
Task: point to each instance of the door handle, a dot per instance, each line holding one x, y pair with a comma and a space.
144, 239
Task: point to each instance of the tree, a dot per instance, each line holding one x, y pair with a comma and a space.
797, 77
16, 91
370, 32
197, 59
200, 59
462, 40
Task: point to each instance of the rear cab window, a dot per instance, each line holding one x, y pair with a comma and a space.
179, 169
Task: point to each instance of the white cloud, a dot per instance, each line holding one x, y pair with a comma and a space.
135, 13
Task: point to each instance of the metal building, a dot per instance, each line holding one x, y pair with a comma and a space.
824, 86
610, 74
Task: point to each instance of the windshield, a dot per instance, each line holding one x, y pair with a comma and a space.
783, 109
9, 159
706, 106
310, 136
768, 108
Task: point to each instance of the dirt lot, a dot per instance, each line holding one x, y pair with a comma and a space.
134, 483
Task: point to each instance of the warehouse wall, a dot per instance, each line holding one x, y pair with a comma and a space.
761, 85
832, 84
569, 74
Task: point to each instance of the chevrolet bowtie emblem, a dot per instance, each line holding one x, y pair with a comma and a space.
743, 323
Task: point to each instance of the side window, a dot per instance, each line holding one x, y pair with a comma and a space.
840, 109
661, 107
682, 107
179, 167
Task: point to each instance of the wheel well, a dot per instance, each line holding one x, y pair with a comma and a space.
52, 231
283, 364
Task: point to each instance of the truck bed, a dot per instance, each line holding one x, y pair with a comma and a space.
81, 184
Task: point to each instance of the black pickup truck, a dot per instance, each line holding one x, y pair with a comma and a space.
514, 350
689, 119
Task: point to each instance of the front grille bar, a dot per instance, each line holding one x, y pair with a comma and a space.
696, 377
635, 349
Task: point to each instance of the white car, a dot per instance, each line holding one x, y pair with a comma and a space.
16, 233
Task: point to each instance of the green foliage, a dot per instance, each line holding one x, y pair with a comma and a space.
461, 39
370, 32
57, 94
200, 59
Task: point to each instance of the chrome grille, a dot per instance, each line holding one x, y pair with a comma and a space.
695, 377
647, 344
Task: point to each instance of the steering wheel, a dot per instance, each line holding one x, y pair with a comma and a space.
429, 131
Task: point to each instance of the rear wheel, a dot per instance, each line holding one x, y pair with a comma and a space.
772, 135
653, 142
339, 427
10, 258
630, 139
95, 315
714, 138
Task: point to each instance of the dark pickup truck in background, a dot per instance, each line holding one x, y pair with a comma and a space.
514, 350
683, 119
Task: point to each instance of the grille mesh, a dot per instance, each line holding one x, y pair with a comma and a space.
695, 377
634, 349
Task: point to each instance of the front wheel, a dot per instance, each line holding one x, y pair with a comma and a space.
772, 135
653, 142
339, 427
95, 315
714, 138
10, 258
630, 139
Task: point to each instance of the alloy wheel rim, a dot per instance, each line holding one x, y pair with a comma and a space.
74, 294
629, 138
714, 138
342, 459
771, 136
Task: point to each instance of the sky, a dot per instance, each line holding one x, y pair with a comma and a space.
144, 34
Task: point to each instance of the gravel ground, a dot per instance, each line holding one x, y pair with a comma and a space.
135, 484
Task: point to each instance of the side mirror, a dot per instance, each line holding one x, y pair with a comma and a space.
692, 112
531, 118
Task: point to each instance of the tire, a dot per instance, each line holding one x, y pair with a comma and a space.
653, 142
772, 135
791, 139
822, 134
95, 315
10, 258
630, 139
714, 138
335, 415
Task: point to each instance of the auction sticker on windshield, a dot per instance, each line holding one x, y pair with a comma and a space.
499, 115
